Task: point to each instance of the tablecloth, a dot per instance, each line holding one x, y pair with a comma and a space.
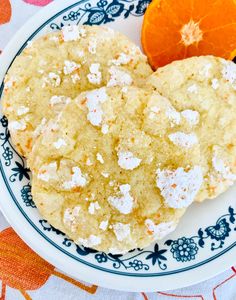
23, 283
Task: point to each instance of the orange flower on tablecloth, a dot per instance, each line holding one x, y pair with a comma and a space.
38, 2
5, 11
23, 269
170, 295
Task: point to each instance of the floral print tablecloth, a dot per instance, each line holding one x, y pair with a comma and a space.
23, 282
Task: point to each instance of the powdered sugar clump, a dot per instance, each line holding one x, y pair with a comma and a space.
95, 76
191, 116
93, 206
122, 231
75, 78
215, 83
56, 80
22, 110
113, 250
123, 59
52, 79
154, 112
9, 83
223, 169
159, 231
17, 125
229, 71
72, 33
29, 44
91, 241
70, 216
105, 128
39, 128
178, 187
54, 39
119, 77
124, 201
205, 70
70, 66
59, 143
47, 172
103, 225
59, 100
78, 179
186, 140
100, 158
173, 116
127, 160
105, 174
94, 100
193, 89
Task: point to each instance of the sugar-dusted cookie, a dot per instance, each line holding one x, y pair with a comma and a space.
106, 173
203, 89
56, 67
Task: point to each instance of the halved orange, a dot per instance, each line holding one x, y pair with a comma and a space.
176, 29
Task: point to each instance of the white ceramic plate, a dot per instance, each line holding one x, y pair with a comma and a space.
202, 245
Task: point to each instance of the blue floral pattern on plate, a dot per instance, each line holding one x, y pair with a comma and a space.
103, 12
27, 196
183, 249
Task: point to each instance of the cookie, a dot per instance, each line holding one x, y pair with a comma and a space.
55, 68
106, 173
203, 89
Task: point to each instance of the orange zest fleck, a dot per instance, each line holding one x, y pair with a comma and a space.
76, 189
83, 101
29, 144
